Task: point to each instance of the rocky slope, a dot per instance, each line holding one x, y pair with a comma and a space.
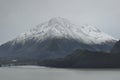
85, 59
116, 48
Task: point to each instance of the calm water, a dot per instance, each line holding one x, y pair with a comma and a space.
42, 73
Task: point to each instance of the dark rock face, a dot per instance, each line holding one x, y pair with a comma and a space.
116, 48
85, 59
48, 49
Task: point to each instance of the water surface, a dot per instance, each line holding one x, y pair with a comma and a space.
43, 73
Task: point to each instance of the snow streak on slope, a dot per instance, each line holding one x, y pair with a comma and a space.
62, 28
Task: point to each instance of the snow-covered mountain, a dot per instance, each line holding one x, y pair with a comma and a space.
56, 38
62, 28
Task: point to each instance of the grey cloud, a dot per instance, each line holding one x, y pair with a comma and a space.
17, 16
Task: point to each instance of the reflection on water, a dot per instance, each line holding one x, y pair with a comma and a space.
42, 73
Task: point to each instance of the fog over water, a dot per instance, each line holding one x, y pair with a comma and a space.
43, 73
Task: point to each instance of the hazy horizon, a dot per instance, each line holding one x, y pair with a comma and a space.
18, 16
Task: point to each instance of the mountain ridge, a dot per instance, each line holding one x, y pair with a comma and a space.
60, 27
56, 38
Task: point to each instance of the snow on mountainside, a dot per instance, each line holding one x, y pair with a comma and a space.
62, 28
56, 38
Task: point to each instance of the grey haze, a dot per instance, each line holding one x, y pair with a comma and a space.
17, 16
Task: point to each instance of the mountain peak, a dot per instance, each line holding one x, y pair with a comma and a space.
58, 21
62, 28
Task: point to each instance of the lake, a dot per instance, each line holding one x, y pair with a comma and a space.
44, 73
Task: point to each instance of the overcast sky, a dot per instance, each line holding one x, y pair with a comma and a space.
18, 16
